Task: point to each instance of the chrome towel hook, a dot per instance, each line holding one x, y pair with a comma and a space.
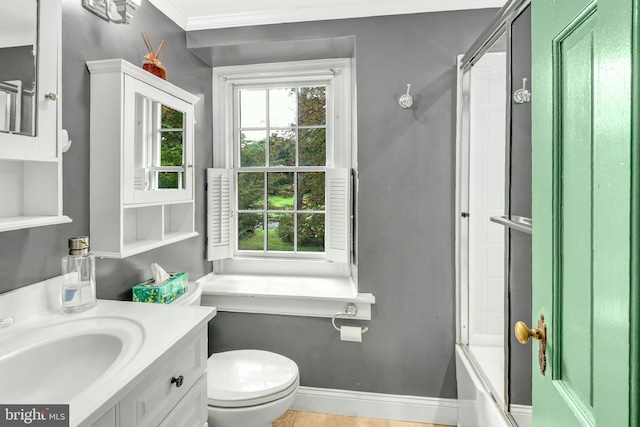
350, 310
522, 96
406, 101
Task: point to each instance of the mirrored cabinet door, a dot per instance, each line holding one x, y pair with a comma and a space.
158, 145
30, 123
18, 56
141, 160
29, 81
160, 162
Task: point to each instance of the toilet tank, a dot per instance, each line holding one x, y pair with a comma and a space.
193, 296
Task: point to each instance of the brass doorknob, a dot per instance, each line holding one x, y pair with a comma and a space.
523, 333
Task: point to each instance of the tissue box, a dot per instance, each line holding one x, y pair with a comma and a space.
164, 293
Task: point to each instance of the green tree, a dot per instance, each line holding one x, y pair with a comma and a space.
250, 197
250, 186
252, 152
282, 148
280, 185
171, 145
312, 152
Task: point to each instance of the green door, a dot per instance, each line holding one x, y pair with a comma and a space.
585, 212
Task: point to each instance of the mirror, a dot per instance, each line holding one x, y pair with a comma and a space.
18, 66
159, 152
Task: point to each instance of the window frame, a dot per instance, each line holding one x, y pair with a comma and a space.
336, 76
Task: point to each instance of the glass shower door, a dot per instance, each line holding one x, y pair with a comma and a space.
495, 204
486, 246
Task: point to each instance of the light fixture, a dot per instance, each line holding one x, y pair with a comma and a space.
118, 11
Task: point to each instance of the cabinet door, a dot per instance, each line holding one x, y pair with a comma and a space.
192, 409
167, 383
157, 145
37, 141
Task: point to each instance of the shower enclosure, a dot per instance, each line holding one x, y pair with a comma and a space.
494, 226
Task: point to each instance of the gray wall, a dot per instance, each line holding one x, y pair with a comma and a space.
406, 202
406, 165
520, 198
28, 256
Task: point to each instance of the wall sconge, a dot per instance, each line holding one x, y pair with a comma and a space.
118, 11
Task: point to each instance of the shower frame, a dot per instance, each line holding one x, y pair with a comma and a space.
499, 26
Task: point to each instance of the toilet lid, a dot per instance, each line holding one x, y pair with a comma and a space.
243, 378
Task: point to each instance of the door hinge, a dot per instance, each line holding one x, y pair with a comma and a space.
464, 214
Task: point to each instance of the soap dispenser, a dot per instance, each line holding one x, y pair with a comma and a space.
78, 277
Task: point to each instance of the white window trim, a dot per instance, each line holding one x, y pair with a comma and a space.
239, 285
285, 295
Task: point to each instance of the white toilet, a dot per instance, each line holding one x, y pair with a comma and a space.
248, 388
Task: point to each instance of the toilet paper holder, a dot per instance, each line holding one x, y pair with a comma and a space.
350, 310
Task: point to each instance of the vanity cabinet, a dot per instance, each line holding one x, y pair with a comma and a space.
30, 119
172, 392
142, 137
192, 409
166, 389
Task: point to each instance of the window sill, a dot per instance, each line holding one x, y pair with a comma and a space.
284, 295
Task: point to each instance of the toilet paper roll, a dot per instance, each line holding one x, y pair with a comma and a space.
351, 333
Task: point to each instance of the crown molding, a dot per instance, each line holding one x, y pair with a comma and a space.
317, 13
171, 11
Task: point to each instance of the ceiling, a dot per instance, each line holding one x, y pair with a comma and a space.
206, 14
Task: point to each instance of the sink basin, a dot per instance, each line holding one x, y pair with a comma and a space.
54, 363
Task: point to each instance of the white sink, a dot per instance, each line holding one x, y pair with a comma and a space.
54, 362
90, 360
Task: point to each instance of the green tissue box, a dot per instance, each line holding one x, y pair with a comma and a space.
164, 293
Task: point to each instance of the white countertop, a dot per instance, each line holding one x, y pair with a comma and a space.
153, 329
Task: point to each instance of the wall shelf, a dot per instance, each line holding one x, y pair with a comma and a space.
20, 222
515, 222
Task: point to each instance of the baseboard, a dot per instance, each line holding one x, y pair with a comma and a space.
377, 405
522, 414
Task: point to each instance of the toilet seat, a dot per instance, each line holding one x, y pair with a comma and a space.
242, 378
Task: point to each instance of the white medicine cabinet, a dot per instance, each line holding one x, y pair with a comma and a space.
141, 160
30, 122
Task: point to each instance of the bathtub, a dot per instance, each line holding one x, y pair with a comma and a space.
476, 406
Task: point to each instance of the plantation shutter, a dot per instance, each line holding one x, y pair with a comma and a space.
218, 214
338, 218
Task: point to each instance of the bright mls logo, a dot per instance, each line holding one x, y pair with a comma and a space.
34, 415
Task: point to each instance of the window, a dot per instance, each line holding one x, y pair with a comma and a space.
280, 196
280, 138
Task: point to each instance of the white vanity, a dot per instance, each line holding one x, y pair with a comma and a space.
120, 364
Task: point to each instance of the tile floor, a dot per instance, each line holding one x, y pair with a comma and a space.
312, 419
